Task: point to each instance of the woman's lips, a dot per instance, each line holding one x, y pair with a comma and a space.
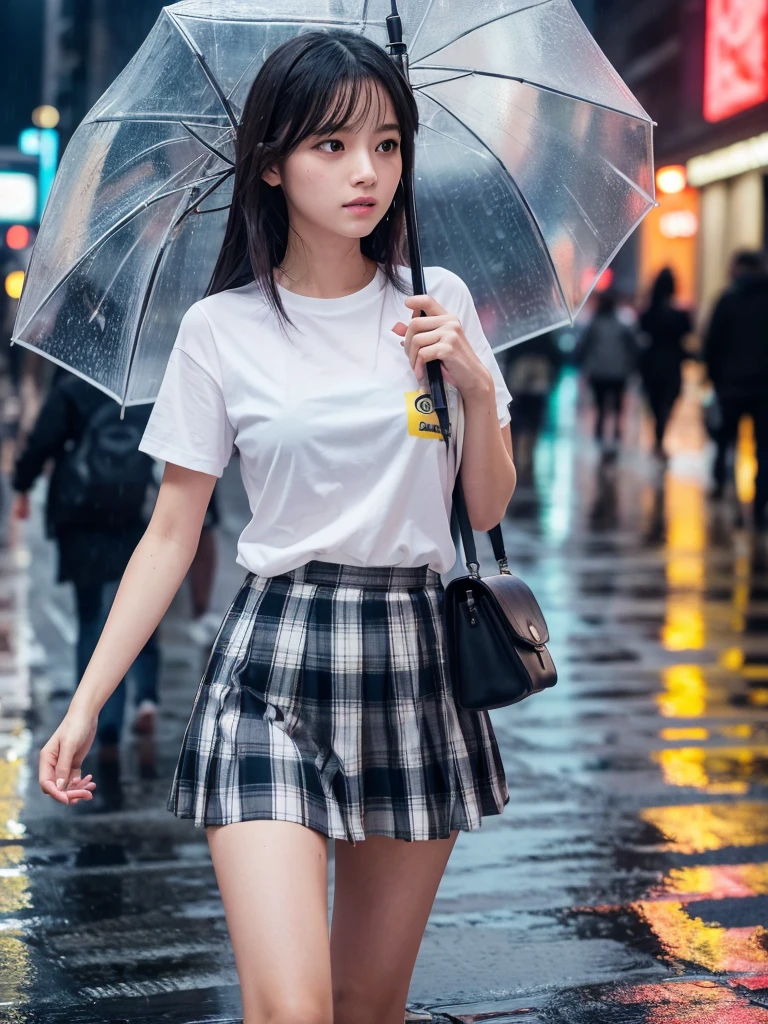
360, 208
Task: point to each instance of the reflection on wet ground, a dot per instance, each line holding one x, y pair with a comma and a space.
626, 881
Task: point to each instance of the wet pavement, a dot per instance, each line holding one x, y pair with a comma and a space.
626, 881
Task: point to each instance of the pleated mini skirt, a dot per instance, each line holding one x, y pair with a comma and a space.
326, 701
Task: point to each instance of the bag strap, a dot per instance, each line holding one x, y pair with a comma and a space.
459, 509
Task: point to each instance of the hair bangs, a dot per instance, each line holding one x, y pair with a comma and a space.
315, 84
347, 107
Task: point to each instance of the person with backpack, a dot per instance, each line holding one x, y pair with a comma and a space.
94, 511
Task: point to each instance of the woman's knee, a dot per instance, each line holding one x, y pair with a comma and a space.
294, 1008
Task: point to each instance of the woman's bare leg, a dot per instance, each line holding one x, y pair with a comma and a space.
383, 895
273, 879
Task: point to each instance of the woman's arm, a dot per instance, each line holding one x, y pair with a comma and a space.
153, 575
487, 472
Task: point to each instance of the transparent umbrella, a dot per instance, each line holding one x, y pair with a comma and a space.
533, 165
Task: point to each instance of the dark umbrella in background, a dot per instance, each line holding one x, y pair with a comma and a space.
533, 166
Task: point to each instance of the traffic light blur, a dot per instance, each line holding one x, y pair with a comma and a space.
14, 282
18, 236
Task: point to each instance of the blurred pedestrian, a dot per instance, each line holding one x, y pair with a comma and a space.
607, 355
664, 327
529, 372
94, 511
736, 355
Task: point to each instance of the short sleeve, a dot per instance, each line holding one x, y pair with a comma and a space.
473, 329
188, 425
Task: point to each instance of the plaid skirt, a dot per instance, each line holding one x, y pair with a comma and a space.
326, 701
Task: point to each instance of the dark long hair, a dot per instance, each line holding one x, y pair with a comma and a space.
309, 85
663, 289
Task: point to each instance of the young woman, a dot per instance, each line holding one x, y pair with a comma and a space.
325, 709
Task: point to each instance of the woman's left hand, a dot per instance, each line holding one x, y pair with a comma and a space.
439, 335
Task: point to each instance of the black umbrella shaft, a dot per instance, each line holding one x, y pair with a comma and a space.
399, 54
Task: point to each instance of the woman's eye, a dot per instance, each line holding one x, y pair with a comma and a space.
337, 145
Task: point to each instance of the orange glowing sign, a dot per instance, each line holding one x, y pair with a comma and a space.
736, 72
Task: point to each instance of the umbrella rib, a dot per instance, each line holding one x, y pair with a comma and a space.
205, 68
519, 192
158, 118
464, 72
207, 145
469, 31
112, 231
193, 207
156, 269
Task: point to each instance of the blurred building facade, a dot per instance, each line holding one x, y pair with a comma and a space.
87, 44
699, 68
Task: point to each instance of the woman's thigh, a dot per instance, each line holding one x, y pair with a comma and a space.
273, 880
383, 894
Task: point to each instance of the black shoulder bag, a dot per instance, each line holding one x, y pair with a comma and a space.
495, 632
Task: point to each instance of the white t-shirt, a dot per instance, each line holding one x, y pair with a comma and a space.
338, 462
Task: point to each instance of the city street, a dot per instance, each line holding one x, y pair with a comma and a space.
626, 881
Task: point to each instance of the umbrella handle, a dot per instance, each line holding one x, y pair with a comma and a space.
399, 54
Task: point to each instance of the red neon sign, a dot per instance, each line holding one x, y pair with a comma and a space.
736, 74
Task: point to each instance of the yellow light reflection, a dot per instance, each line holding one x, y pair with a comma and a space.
10, 800
686, 540
731, 658
711, 946
737, 732
713, 769
746, 463
14, 882
713, 882
16, 970
685, 692
697, 828
684, 734
741, 592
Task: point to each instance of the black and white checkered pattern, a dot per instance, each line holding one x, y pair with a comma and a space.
326, 701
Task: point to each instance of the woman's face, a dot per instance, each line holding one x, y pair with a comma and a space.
325, 174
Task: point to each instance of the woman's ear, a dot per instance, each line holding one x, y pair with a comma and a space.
271, 175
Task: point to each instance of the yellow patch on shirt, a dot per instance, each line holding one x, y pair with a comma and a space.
422, 418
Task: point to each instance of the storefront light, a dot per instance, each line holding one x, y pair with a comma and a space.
679, 224
671, 180
749, 155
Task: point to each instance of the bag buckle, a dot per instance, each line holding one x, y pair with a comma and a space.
504, 566
471, 608
474, 570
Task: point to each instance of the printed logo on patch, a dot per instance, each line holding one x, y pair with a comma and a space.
422, 418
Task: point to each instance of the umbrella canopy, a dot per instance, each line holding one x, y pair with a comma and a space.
533, 165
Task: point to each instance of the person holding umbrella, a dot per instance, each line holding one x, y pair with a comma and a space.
325, 709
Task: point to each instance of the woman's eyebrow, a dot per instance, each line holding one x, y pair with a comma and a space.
388, 128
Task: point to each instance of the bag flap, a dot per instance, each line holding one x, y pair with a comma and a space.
519, 606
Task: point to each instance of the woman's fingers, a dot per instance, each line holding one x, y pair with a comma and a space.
430, 306
76, 792
49, 756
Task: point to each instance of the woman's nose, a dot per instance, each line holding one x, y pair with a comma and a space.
364, 171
